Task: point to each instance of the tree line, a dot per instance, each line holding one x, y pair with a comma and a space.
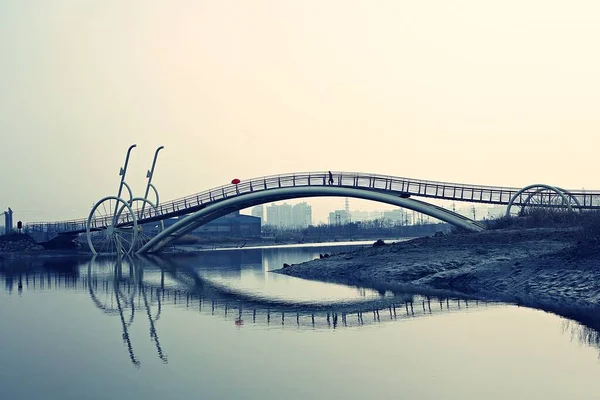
367, 229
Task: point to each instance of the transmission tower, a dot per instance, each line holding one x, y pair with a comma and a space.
348, 217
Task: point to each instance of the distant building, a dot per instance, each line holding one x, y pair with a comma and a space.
234, 224
285, 215
272, 215
338, 217
301, 215
359, 216
258, 211
288, 216
397, 215
8, 221
279, 215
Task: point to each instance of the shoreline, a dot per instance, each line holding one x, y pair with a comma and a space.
534, 268
361, 243
242, 243
24, 247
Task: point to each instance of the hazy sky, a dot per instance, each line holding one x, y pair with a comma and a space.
502, 93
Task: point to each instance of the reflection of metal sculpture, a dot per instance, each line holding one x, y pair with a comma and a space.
118, 296
153, 333
134, 283
112, 224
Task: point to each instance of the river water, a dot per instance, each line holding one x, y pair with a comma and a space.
219, 325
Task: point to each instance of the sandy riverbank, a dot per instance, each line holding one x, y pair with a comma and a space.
530, 267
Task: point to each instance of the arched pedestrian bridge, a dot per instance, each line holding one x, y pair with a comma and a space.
203, 207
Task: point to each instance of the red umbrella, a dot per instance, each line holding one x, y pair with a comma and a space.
235, 181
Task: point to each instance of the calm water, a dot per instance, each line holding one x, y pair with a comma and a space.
220, 326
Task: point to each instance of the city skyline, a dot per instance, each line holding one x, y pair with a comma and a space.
364, 210
284, 215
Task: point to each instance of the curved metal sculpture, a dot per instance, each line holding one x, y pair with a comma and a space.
539, 193
150, 175
148, 209
108, 230
144, 208
231, 204
112, 225
111, 232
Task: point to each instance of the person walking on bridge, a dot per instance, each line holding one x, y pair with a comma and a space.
330, 178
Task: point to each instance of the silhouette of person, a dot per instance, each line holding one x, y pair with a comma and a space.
330, 178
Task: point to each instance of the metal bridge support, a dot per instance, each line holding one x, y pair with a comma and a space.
573, 198
543, 193
228, 205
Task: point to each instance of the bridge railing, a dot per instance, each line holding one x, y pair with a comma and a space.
400, 185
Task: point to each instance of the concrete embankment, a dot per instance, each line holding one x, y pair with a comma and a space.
532, 267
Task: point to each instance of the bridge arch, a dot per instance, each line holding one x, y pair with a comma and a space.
229, 205
563, 193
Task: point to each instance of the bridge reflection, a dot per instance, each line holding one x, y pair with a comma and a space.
141, 287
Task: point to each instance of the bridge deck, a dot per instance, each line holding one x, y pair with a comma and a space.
389, 184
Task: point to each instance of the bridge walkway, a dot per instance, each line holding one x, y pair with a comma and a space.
403, 187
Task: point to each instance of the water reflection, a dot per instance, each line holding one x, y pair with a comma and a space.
117, 288
161, 281
584, 334
44, 274
138, 290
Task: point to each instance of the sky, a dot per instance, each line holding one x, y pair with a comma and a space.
497, 93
